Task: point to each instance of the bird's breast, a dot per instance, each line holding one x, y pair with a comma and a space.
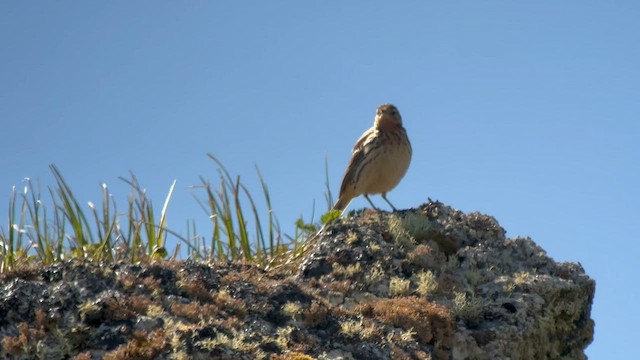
389, 159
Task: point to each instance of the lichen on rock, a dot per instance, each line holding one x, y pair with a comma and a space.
425, 283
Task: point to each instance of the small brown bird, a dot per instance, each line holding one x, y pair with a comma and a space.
379, 160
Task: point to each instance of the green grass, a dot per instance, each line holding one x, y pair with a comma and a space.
41, 233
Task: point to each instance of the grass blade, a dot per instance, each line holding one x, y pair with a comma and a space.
73, 212
242, 224
160, 250
267, 197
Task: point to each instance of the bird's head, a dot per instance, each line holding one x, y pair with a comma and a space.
388, 117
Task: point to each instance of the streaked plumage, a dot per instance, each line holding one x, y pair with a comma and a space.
379, 160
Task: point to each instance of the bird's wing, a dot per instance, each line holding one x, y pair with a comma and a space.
358, 155
363, 140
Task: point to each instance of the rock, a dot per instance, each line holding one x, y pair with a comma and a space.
426, 283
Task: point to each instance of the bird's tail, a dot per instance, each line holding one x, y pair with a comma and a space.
342, 203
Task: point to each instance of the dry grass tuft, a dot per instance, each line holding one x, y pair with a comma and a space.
194, 311
83, 356
399, 287
316, 315
142, 346
292, 356
432, 323
467, 307
423, 258
233, 306
362, 329
122, 308
427, 283
195, 288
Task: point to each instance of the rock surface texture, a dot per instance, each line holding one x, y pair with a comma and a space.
426, 283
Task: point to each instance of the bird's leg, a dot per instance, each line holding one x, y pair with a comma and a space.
366, 196
384, 196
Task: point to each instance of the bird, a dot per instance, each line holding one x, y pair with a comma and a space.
379, 160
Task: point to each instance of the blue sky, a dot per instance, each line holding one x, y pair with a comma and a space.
528, 111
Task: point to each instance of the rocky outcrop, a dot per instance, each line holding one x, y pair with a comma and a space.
425, 283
